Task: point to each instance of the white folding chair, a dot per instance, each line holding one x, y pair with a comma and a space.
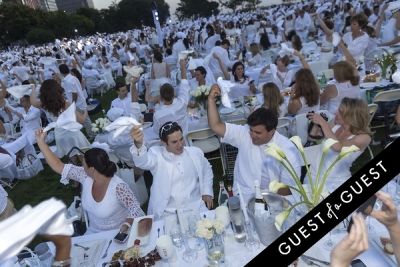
386, 111
284, 125
207, 141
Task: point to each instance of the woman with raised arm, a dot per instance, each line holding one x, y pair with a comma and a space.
108, 200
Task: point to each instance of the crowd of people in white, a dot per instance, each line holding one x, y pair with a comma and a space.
56, 83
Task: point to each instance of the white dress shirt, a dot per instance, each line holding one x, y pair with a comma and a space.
124, 104
263, 167
30, 122
185, 190
213, 64
72, 85
356, 46
177, 111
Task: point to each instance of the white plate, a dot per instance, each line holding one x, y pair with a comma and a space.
93, 254
147, 124
225, 110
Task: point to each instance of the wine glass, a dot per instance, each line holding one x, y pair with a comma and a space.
251, 242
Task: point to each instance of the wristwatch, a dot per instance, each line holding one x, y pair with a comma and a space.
62, 263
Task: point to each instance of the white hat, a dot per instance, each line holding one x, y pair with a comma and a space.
114, 113
132, 45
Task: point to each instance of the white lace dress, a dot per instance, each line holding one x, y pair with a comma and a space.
118, 204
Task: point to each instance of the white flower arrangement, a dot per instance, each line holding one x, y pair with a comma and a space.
99, 125
312, 193
207, 228
201, 93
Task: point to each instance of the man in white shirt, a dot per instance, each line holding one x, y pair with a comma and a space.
173, 108
302, 25
182, 176
74, 93
252, 163
29, 118
222, 52
123, 101
178, 45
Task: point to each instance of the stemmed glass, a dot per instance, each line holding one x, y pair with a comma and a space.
251, 242
192, 226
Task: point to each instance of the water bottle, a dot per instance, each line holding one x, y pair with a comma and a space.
237, 219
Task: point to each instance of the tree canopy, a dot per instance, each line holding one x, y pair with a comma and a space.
21, 23
189, 8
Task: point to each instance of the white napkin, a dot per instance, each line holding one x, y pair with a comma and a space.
19, 91
120, 125
48, 217
66, 120
135, 71
225, 87
184, 54
285, 50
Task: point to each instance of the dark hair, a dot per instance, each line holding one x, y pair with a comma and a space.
163, 132
119, 84
262, 116
264, 41
52, 96
168, 51
98, 159
234, 67
77, 74
296, 42
25, 82
225, 42
167, 92
361, 19
202, 70
63, 69
158, 56
343, 71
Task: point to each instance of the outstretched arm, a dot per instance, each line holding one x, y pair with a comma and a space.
54, 162
214, 121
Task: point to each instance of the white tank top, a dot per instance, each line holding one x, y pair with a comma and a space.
345, 89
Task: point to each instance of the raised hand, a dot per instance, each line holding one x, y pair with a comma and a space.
137, 136
214, 92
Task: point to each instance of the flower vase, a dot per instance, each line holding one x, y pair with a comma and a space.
383, 72
215, 250
203, 108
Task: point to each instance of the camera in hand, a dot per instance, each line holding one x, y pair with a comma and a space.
365, 209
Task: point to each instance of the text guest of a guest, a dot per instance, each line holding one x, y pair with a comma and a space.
312, 225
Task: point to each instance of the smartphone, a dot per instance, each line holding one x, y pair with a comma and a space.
121, 237
365, 209
358, 263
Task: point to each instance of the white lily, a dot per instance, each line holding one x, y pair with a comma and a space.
271, 151
280, 218
297, 141
346, 150
326, 145
274, 186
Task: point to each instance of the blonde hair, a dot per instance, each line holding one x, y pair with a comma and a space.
272, 97
355, 112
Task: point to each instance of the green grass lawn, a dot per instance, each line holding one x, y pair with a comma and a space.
46, 184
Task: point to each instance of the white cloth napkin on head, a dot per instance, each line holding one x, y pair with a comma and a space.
66, 120
285, 50
120, 125
48, 217
225, 87
19, 91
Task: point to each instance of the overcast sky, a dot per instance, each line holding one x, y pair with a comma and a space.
99, 4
